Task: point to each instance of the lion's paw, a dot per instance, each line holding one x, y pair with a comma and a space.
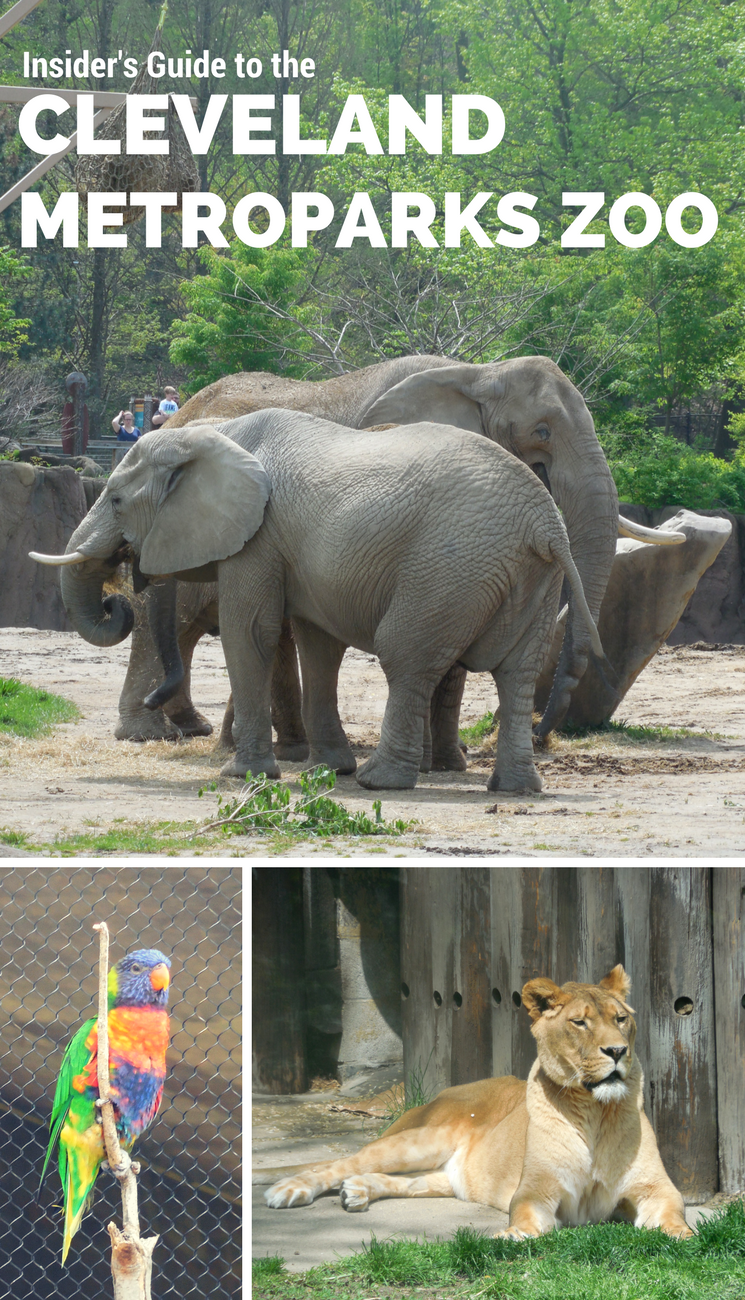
354, 1194
289, 1192
512, 1234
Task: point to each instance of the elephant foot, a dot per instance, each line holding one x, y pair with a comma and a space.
380, 773
292, 751
342, 761
267, 766
524, 777
452, 759
190, 722
138, 728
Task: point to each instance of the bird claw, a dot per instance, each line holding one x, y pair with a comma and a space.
120, 1171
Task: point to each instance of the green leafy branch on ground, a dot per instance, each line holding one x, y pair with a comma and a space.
30, 711
264, 805
589, 1263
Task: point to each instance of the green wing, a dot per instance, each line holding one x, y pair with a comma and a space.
74, 1061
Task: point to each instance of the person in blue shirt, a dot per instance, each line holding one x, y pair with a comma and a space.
126, 432
167, 407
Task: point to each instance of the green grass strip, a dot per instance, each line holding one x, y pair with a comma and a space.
592, 1263
29, 711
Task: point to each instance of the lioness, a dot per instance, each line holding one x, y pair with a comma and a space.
572, 1145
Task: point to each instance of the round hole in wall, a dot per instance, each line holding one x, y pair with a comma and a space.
496, 997
457, 1000
437, 998
742, 1001
683, 1006
517, 999
405, 990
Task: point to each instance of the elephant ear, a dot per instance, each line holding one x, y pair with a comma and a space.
213, 498
446, 395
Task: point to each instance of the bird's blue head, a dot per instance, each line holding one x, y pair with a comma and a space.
140, 979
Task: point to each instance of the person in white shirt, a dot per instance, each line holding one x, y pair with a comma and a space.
167, 407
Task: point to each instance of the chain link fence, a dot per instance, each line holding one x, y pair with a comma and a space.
189, 1187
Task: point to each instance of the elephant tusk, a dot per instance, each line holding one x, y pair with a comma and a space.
75, 557
627, 528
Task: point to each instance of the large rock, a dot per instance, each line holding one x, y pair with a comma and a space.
716, 610
648, 590
39, 511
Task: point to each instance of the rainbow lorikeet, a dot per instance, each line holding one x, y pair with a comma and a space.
138, 1038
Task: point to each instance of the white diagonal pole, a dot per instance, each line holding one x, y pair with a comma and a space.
16, 13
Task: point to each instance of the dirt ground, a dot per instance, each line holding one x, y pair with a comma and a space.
604, 795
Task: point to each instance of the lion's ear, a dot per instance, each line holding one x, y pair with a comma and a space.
541, 995
617, 982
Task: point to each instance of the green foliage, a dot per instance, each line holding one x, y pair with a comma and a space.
29, 711
13, 331
644, 735
232, 325
669, 473
264, 806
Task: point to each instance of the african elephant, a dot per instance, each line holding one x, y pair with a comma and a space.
525, 404
428, 546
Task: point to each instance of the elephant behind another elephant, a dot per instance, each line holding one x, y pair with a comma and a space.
425, 549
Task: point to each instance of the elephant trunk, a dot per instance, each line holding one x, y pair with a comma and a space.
101, 620
591, 516
161, 614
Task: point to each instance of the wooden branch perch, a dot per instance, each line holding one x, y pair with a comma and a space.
131, 1255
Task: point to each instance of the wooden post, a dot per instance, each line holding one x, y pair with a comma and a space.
728, 886
131, 1255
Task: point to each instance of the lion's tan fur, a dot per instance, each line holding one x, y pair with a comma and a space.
571, 1145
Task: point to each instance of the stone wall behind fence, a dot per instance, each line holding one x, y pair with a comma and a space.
39, 511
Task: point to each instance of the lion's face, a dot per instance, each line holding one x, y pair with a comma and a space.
585, 1033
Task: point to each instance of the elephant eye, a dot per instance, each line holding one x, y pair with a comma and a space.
543, 432
116, 501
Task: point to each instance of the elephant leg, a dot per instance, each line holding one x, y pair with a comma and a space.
515, 678
287, 712
321, 656
180, 708
144, 671
251, 592
447, 755
395, 763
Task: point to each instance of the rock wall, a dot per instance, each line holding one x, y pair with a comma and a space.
39, 511
716, 610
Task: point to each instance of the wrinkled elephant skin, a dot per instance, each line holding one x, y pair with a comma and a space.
648, 589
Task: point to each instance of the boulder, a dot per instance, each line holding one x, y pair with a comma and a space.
648, 590
39, 511
85, 465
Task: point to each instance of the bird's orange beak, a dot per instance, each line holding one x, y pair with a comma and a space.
159, 977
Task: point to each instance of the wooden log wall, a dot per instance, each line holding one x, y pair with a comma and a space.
473, 936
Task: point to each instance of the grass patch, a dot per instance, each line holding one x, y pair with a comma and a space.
479, 731
16, 839
592, 1263
29, 711
645, 735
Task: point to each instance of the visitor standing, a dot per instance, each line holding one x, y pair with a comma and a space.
126, 432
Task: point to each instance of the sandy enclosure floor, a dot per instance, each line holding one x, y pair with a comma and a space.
603, 796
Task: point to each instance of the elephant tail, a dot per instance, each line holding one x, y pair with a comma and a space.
563, 555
